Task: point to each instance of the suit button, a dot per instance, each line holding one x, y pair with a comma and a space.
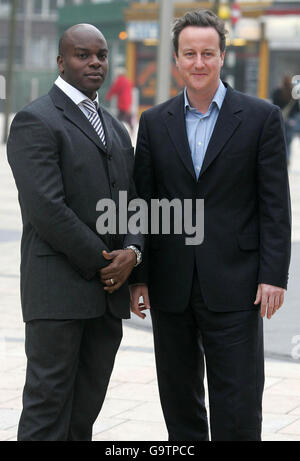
109, 157
113, 184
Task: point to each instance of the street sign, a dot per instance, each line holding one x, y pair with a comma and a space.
236, 13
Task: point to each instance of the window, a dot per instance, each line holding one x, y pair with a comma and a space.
4, 49
4, 7
37, 7
20, 6
43, 53
53, 6
101, 1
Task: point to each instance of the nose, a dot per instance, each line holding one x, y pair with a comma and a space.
199, 61
95, 61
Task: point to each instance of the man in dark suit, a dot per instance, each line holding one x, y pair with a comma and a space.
208, 300
67, 153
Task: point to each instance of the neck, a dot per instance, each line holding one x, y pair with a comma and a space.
201, 100
90, 94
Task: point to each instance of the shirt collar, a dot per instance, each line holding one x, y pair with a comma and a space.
72, 92
217, 99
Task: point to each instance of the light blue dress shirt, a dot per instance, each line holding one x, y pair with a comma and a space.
200, 126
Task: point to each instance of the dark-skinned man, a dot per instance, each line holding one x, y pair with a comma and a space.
67, 153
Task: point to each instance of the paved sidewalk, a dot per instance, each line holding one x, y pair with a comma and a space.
131, 410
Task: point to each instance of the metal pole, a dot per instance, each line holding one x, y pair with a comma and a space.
164, 52
9, 72
27, 35
216, 6
263, 76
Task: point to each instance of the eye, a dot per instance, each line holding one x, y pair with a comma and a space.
103, 57
82, 55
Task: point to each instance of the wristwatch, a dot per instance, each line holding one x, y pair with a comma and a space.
138, 253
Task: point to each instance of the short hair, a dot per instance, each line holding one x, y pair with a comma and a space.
61, 45
199, 18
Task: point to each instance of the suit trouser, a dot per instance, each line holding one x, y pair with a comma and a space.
69, 364
231, 346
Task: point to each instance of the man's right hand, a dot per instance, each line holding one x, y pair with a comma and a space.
136, 291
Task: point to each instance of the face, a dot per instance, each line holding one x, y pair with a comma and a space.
84, 61
199, 59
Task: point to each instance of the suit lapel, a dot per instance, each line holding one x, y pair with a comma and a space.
226, 124
108, 129
75, 115
175, 121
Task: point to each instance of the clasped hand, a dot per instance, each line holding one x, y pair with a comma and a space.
118, 271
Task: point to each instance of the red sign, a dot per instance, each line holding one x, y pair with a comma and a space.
235, 13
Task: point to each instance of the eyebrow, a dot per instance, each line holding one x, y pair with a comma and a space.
79, 48
205, 49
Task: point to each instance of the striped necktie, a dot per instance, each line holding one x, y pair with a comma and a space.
94, 119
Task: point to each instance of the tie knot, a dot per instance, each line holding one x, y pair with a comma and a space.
90, 105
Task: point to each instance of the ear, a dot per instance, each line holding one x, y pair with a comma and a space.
222, 58
176, 58
60, 63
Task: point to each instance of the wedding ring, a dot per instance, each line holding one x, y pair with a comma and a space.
112, 281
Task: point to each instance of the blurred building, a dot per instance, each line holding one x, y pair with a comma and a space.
35, 51
108, 16
264, 42
282, 29
39, 26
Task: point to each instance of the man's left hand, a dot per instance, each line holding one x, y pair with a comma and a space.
270, 298
114, 275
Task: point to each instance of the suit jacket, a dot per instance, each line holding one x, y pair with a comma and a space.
244, 184
61, 171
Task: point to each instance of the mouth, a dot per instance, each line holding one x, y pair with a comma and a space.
94, 76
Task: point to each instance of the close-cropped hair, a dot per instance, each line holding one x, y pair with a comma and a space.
199, 18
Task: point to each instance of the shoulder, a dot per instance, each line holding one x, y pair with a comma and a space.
251, 104
170, 105
39, 109
35, 118
38, 106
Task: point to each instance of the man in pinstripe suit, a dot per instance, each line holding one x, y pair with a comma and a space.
67, 153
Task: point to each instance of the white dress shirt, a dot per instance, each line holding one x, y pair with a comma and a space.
74, 94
